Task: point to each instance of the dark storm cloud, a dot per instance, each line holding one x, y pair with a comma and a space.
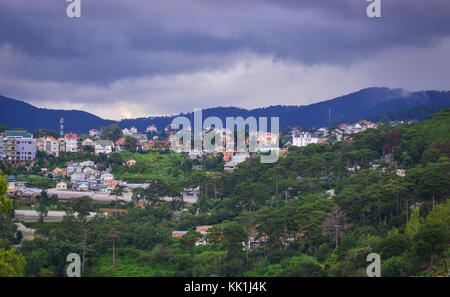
117, 39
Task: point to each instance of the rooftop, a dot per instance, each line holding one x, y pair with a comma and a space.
24, 134
71, 136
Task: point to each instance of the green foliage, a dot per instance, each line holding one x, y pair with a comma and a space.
304, 270
292, 224
11, 263
6, 204
394, 244
130, 144
44, 201
149, 166
111, 132
431, 241
394, 267
41, 182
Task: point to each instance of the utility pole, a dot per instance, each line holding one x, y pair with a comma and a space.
329, 118
61, 127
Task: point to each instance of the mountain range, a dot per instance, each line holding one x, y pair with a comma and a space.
366, 103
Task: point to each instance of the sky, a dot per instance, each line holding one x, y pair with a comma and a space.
137, 58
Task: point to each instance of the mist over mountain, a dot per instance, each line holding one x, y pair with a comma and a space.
366, 103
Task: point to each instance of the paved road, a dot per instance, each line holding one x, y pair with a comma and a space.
186, 198
97, 196
52, 215
101, 196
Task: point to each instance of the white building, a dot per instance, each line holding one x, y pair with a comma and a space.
88, 142
303, 139
107, 176
49, 145
239, 158
126, 132
90, 171
71, 141
133, 130
194, 154
103, 146
151, 128
19, 146
87, 163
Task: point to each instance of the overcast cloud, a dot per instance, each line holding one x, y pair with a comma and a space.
140, 57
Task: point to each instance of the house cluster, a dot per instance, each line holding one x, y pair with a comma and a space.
21, 146
384, 164
85, 176
232, 159
53, 146
345, 130
203, 230
142, 141
321, 135
72, 143
304, 138
264, 142
141, 138
252, 242
358, 126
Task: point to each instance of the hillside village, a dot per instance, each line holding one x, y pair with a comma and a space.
19, 147
217, 145
229, 205
94, 180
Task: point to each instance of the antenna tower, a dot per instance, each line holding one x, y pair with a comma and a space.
61, 127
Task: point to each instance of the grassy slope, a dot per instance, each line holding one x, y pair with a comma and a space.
152, 165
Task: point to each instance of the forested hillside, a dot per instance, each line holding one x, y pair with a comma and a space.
319, 211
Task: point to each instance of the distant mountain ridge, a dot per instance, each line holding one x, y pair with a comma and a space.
19, 114
370, 102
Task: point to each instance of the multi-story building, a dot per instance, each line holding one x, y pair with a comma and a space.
19, 146
303, 139
239, 157
62, 144
87, 142
71, 142
103, 146
49, 144
9, 148
141, 139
